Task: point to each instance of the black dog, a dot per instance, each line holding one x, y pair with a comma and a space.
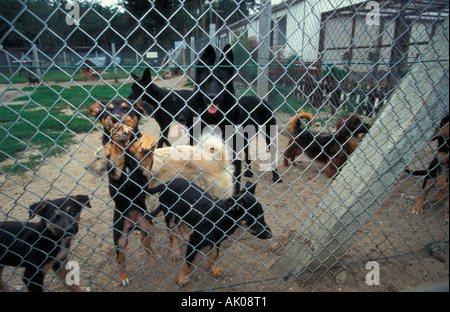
126, 178
167, 104
33, 80
39, 246
212, 221
258, 113
254, 112
215, 97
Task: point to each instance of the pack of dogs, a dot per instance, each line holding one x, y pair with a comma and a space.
197, 186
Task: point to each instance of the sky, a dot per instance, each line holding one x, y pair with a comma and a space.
108, 2
111, 2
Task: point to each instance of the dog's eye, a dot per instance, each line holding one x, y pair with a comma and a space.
56, 218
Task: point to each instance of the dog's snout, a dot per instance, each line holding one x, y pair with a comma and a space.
212, 95
72, 229
265, 234
122, 137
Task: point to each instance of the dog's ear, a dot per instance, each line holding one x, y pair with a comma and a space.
147, 76
250, 187
207, 59
37, 208
82, 199
228, 51
339, 123
227, 59
150, 146
209, 56
341, 128
96, 108
144, 108
135, 77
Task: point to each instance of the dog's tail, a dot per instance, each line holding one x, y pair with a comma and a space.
417, 172
153, 190
294, 125
157, 189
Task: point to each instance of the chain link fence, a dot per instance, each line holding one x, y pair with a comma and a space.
386, 61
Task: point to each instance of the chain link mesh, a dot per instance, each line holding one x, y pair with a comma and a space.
327, 58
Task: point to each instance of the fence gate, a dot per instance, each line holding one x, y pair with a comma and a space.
372, 75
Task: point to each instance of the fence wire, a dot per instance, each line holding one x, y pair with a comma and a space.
251, 66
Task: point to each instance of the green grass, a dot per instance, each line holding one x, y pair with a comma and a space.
44, 126
68, 74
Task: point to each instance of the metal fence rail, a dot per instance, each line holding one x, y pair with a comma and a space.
386, 61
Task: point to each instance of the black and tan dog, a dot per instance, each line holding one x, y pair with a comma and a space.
333, 150
39, 246
130, 155
212, 220
437, 172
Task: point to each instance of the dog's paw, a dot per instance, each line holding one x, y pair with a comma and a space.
79, 289
147, 143
155, 257
416, 210
176, 257
124, 278
182, 280
217, 272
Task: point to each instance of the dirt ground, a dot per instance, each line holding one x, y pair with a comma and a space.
393, 237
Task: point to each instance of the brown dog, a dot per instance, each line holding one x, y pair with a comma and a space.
332, 150
437, 172
88, 71
142, 149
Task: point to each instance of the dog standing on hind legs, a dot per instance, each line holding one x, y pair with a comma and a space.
437, 172
128, 151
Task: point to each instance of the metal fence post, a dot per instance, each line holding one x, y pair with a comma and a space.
113, 56
36, 61
264, 49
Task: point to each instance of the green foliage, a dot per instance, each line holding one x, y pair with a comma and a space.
102, 25
334, 72
246, 57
